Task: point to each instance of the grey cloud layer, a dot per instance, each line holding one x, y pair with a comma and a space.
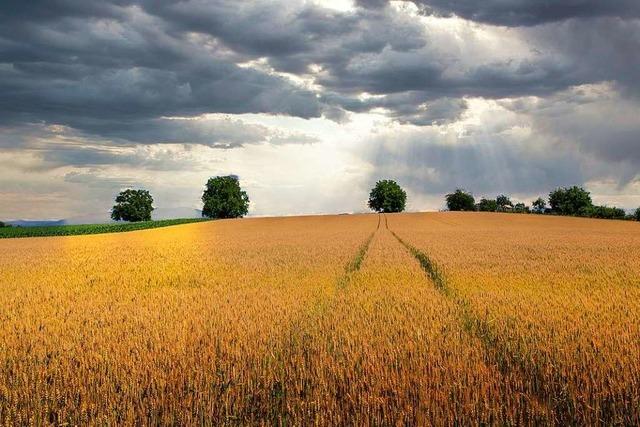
522, 12
99, 65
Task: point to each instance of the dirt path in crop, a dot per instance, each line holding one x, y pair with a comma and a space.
497, 352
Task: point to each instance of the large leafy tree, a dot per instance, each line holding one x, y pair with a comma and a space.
571, 201
487, 205
223, 198
133, 205
387, 196
636, 214
460, 200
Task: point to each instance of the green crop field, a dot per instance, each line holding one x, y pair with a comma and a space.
73, 230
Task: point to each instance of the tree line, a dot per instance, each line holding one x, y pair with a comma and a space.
571, 201
388, 196
224, 198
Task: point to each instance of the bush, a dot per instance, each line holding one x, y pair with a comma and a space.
223, 198
607, 212
387, 196
133, 206
636, 214
460, 200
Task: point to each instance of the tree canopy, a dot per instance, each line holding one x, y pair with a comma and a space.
503, 201
460, 200
636, 214
133, 206
607, 212
487, 205
571, 201
387, 196
539, 205
223, 198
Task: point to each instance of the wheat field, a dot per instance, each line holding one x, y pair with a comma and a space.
403, 319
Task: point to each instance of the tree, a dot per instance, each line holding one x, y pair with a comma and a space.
223, 198
387, 196
503, 201
520, 208
1, 224
487, 205
133, 205
460, 200
571, 201
636, 214
539, 205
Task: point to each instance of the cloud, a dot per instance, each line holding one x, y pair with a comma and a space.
123, 63
118, 64
499, 95
597, 119
522, 12
522, 146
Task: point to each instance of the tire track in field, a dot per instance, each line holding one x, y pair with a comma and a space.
298, 344
557, 404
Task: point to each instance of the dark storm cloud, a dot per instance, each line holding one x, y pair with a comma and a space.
97, 66
522, 12
116, 69
599, 50
259, 28
89, 66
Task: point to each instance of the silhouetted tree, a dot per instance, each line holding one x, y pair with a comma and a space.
460, 200
571, 201
223, 198
133, 206
387, 196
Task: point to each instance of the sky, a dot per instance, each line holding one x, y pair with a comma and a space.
311, 102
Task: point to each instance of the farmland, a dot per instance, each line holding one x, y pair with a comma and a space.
421, 319
75, 230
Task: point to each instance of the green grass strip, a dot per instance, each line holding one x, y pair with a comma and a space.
75, 230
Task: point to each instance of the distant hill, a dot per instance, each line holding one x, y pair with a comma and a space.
180, 212
36, 223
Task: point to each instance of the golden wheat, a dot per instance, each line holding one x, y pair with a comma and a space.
327, 321
557, 298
